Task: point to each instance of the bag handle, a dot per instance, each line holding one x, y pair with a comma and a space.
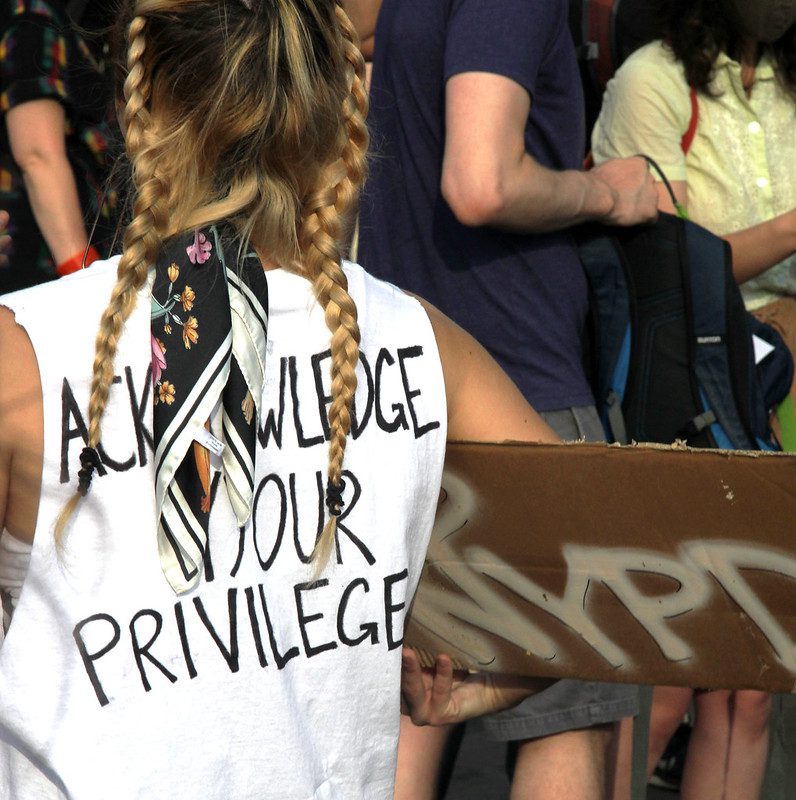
679, 208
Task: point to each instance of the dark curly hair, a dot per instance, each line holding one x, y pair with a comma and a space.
697, 31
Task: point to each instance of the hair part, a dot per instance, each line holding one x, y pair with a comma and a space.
256, 117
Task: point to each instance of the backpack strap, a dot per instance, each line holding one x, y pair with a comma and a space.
688, 136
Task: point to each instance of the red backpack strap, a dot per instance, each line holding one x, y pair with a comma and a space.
688, 136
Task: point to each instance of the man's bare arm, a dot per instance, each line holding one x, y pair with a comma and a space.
488, 177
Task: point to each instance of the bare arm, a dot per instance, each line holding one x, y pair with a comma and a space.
488, 178
37, 136
483, 403
755, 249
21, 430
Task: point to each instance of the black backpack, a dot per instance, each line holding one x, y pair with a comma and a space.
673, 348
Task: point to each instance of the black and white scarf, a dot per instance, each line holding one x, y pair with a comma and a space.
209, 324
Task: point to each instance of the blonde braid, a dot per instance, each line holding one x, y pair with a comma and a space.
355, 110
141, 243
321, 236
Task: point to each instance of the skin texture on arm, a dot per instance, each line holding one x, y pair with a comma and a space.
754, 249
21, 430
37, 137
483, 405
488, 178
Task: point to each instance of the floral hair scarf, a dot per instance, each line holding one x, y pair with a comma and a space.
209, 323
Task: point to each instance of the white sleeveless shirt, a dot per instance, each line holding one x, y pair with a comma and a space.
256, 683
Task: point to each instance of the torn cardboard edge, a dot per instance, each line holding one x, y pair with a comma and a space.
643, 564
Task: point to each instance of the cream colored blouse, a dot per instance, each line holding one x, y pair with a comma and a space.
741, 167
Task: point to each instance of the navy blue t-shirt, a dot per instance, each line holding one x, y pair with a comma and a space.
523, 297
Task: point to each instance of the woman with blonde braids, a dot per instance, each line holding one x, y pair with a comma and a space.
213, 530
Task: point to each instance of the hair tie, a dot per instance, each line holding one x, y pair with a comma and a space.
89, 461
334, 497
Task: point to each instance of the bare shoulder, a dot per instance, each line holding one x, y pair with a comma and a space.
18, 367
483, 403
21, 428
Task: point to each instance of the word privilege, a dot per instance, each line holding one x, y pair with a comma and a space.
165, 644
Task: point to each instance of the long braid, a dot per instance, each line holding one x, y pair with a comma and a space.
321, 236
141, 243
355, 110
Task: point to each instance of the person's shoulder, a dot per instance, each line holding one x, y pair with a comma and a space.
79, 286
652, 60
652, 74
366, 287
19, 376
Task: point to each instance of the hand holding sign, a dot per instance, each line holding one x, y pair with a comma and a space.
441, 695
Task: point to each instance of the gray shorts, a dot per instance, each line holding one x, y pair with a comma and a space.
566, 705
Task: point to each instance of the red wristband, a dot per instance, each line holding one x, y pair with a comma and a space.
75, 262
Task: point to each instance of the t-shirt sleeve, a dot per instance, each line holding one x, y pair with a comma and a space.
646, 109
32, 62
504, 37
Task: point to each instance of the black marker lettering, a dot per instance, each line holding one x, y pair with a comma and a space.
292, 652
400, 416
369, 629
277, 481
357, 425
305, 558
302, 440
90, 658
142, 652
391, 608
230, 653
255, 624
207, 558
273, 427
349, 506
241, 543
139, 410
70, 409
323, 398
305, 619
405, 353
186, 651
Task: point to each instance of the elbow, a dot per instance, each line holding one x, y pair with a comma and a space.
475, 200
33, 160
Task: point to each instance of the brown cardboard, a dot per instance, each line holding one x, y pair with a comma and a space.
633, 564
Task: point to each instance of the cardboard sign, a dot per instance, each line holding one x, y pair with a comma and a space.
636, 564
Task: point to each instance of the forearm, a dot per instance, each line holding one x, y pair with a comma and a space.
52, 193
756, 249
488, 177
532, 199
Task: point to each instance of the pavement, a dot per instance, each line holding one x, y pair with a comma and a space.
478, 770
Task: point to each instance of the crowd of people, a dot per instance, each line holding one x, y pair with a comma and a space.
249, 152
